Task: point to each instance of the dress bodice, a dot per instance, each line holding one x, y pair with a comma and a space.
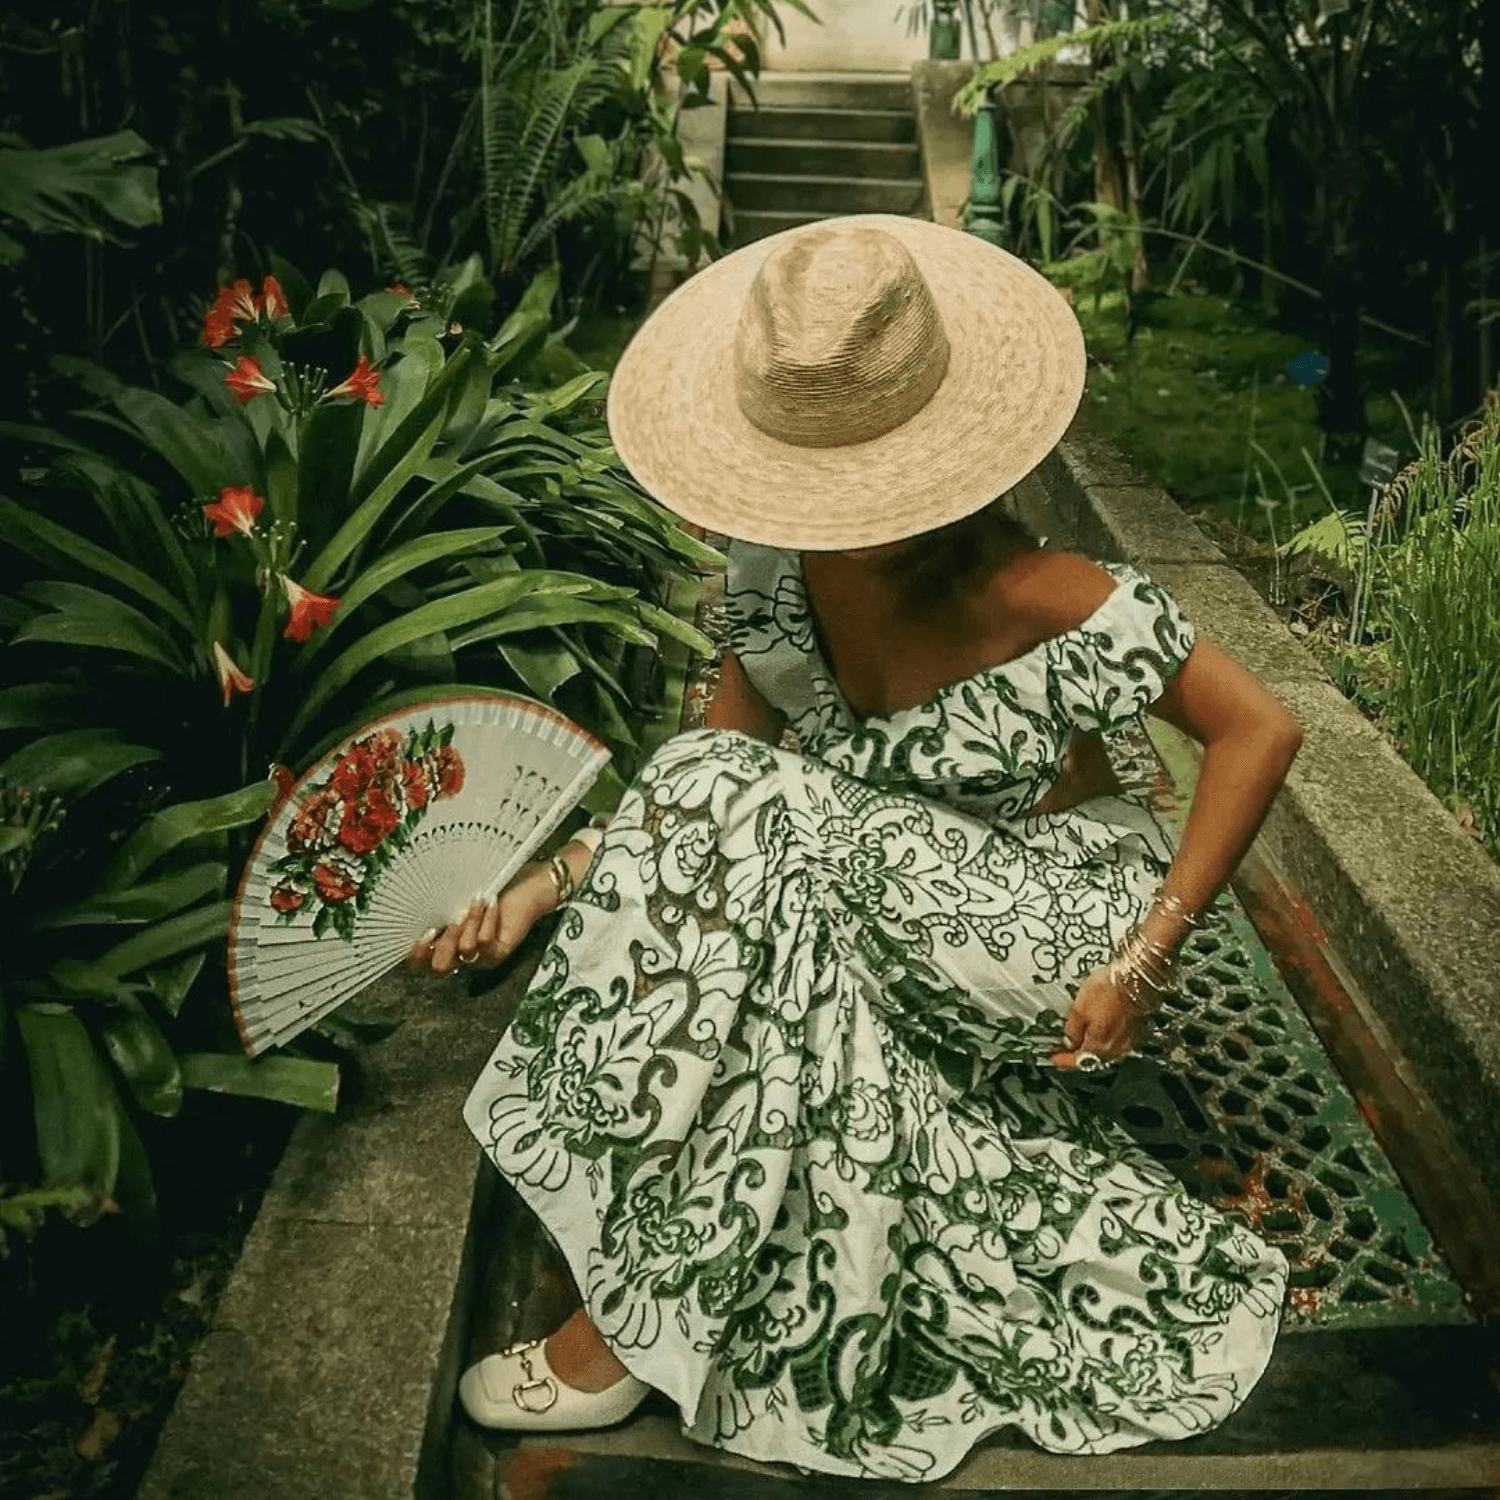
990, 744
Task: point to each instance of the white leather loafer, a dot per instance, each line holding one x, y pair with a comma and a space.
517, 1391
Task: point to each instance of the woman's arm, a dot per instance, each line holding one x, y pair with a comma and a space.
737, 704
1249, 742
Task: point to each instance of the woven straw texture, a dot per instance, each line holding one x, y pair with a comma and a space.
834, 343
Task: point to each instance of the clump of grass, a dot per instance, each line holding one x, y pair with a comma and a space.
1441, 603
1422, 648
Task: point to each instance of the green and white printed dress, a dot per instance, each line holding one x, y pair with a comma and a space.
779, 1088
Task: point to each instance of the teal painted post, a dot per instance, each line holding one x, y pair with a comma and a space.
985, 216
946, 40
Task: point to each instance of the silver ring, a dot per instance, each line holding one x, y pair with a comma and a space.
1091, 1062
468, 958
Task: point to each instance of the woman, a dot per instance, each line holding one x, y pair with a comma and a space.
784, 1088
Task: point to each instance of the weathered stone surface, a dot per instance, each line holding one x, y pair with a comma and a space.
1147, 526
325, 1346
947, 139
334, 1356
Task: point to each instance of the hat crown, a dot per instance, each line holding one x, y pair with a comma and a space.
839, 339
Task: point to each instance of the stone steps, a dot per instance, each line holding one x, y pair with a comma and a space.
889, 161
773, 122
799, 90
817, 146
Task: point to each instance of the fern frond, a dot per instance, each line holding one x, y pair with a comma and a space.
1024, 59
585, 197
406, 260
541, 143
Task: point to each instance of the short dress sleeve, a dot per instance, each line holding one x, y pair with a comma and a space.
1120, 660
768, 626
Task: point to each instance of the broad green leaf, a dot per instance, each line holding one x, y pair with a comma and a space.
74, 762
537, 614
561, 401
676, 629
281, 480
82, 979
333, 284
89, 617
141, 1053
135, 513
293, 283
542, 666
39, 705
325, 465
205, 924
144, 903
186, 443
449, 479
73, 1101
398, 460
396, 564
289, 1080
165, 830
451, 613
52, 543
172, 980
74, 189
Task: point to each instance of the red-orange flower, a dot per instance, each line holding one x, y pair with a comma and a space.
235, 510
449, 768
335, 880
233, 304
309, 610
272, 303
245, 380
231, 679
363, 381
287, 898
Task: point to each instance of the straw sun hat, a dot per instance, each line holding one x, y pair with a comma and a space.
846, 384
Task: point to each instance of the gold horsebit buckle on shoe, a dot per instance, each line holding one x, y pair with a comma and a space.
546, 1384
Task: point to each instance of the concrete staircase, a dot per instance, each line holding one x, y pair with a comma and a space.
819, 145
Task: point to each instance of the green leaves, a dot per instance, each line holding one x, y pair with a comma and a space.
73, 1102
175, 825
288, 1080
79, 188
74, 762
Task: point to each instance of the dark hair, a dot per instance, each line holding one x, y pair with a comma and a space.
939, 566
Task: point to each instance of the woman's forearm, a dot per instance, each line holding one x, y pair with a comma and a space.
1237, 782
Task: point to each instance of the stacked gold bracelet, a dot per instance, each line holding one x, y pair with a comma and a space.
1142, 967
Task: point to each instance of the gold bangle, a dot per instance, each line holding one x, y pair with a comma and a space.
1174, 905
562, 879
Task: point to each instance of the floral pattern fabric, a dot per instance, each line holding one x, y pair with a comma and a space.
779, 1087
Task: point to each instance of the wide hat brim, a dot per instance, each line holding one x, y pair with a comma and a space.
1013, 384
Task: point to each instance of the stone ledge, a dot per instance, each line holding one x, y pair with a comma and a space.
1410, 906
333, 1359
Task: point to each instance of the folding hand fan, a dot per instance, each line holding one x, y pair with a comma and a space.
393, 833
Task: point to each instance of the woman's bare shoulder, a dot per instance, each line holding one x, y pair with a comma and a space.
1050, 591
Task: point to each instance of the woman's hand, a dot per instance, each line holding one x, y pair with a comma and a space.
1100, 1020
490, 934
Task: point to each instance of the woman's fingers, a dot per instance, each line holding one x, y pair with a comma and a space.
420, 955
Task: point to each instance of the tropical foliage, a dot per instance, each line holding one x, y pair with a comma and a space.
354, 500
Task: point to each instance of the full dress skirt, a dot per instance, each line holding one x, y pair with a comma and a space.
779, 1088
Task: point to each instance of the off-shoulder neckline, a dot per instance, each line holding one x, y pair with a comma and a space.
792, 561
